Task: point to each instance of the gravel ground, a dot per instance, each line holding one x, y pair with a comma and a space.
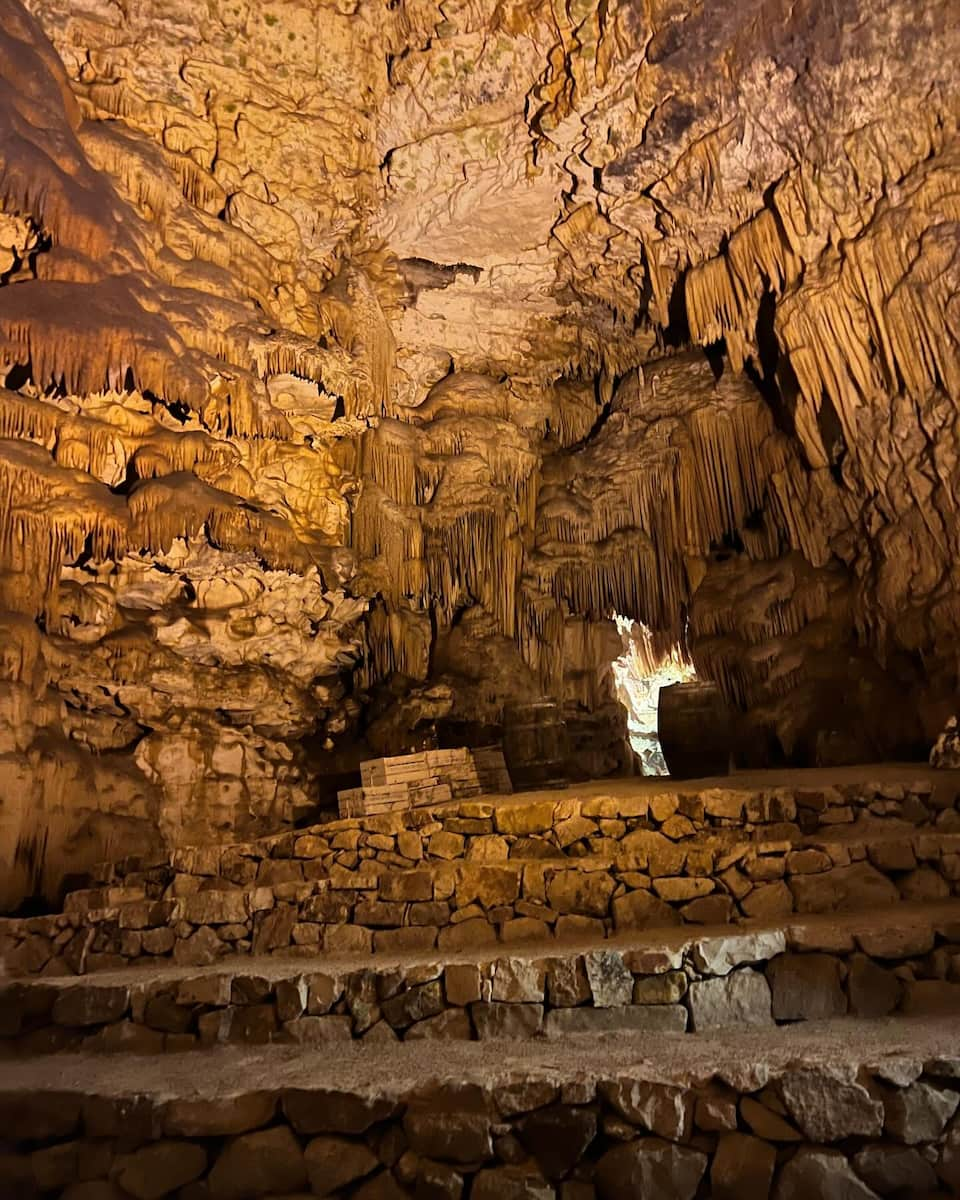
744, 1057
803, 777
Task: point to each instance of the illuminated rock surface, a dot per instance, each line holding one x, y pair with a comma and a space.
359, 361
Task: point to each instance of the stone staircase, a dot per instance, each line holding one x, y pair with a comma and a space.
621, 990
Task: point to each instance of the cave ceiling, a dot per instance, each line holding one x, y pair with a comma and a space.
360, 359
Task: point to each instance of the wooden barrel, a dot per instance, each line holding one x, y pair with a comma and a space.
535, 744
696, 728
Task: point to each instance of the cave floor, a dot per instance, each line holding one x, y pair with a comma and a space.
736, 1055
793, 777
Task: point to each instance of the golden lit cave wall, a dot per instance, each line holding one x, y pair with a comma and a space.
154, 445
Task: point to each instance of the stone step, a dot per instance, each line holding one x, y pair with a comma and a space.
904, 960
846, 1108
587, 820
373, 905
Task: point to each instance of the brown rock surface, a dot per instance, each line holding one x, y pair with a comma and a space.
358, 361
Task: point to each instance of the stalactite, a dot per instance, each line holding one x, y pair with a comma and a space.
688, 486
51, 516
166, 508
397, 641
106, 448
476, 554
723, 294
875, 315
540, 637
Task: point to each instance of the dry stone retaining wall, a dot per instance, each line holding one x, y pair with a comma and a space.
475, 874
804, 972
794, 1133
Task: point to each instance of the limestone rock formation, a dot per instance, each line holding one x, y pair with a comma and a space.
359, 361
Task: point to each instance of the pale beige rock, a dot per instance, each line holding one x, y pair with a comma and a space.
664, 1110
919, 1113
611, 981
519, 981
829, 1105
741, 998
719, 955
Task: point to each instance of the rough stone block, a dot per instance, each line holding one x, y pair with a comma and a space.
329, 1110
635, 1018
333, 1163
318, 1031
455, 1129
895, 1171
461, 983
83, 1005
585, 892
469, 935
501, 1020
924, 884
518, 981
829, 1105
258, 1164
741, 998
844, 889
489, 885
611, 981
669, 988
806, 987
919, 1113
451, 1025
567, 982
558, 1137
406, 885
650, 1167
274, 930
410, 939
446, 845
658, 1107
414, 1004
524, 819
742, 1167
769, 901
214, 908
825, 1174
641, 910
720, 954
218, 1116
873, 991
161, 1168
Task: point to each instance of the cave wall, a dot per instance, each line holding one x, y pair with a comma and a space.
359, 360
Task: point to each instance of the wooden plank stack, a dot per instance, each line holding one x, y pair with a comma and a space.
428, 778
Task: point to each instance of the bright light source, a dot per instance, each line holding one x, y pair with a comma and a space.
640, 672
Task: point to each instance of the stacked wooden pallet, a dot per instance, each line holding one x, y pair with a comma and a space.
427, 778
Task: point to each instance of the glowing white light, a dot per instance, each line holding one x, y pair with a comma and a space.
640, 672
